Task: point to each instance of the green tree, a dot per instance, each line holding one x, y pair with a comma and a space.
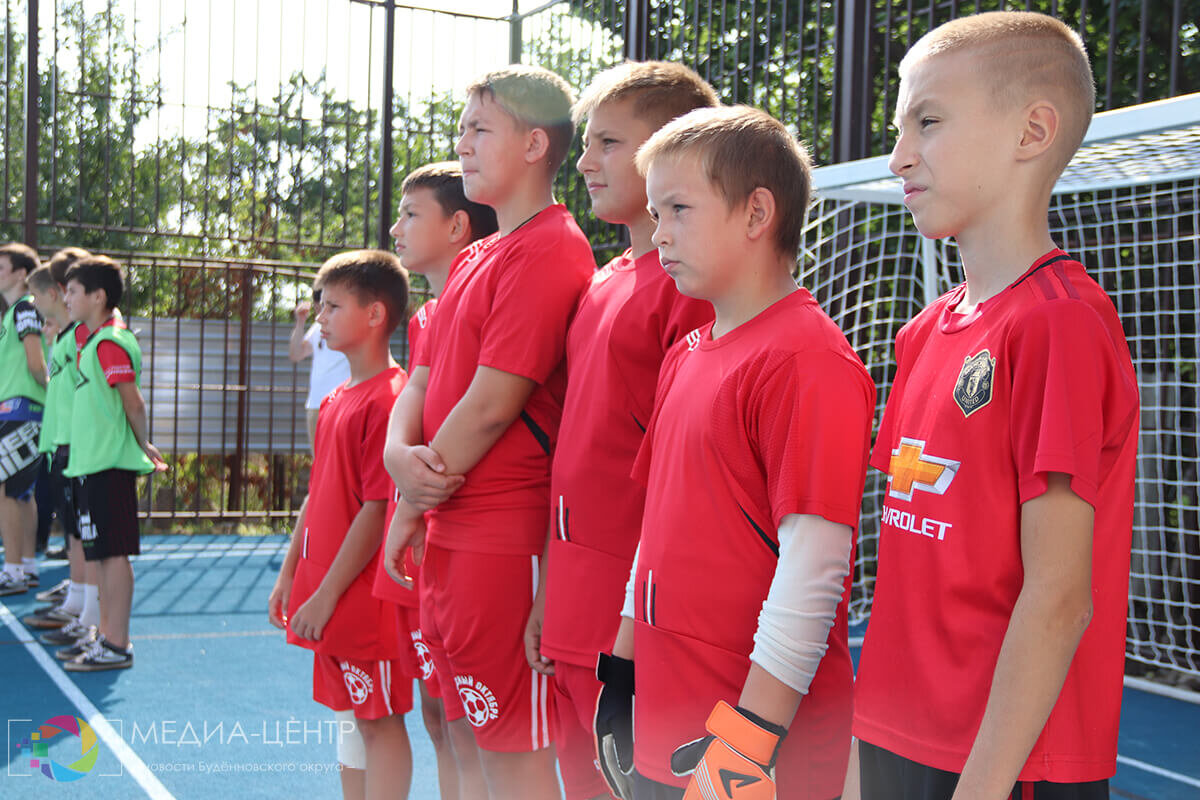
781, 56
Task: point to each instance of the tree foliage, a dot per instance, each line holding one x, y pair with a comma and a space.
781, 56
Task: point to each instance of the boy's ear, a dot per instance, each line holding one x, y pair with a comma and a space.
1039, 129
460, 227
376, 313
760, 213
537, 145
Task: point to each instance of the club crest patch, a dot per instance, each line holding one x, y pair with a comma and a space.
973, 390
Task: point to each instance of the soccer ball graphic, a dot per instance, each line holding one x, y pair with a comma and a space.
358, 684
424, 659
478, 702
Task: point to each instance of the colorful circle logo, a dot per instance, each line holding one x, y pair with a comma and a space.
40, 740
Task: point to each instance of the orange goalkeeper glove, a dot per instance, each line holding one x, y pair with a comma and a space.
737, 762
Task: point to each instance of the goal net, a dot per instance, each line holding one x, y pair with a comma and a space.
1128, 207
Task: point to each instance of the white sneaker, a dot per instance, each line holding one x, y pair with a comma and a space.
11, 585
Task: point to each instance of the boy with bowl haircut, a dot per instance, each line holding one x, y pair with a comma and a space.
322, 596
435, 224
22, 393
486, 395
993, 661
628, 317
754, 462
109, 449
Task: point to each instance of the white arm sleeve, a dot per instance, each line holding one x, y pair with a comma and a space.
627, 609
793, 627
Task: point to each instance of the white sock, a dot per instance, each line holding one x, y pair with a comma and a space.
90, 614
73, 604
14, 571
29, 566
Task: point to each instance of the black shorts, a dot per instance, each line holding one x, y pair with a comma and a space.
20, 460
62, 494
887, 776
108, 519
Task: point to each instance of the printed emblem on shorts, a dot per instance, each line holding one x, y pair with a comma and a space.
87, 528
358, 683
477, 699
973, 390
423, 656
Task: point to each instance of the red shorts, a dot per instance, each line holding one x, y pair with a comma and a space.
575, 692
423, 666
474, 607
372, 689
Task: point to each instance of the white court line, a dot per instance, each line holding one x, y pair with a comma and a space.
136, 768
1166, 773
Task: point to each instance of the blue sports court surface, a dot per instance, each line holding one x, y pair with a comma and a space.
217, 705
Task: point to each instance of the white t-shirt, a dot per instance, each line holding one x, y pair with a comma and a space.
330, 369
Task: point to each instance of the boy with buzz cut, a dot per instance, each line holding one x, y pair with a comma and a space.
486, 396
628, 317
322, 596
22, 394
436, 223
46, 285
993, 663
109, 449
754, 460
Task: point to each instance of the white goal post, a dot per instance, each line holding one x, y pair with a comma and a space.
1128, 207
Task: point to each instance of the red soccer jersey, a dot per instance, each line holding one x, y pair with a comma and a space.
773, 418
628, 318
348, 471
416, 329
117, 366
1036, 379
385, 588
506, 306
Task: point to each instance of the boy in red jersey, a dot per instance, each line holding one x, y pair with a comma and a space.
436, 223
993, 662
754, 461
323, 594
629, 316
486, 394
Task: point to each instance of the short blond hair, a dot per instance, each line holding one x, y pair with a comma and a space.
536, 98
1022, 55
660, 91
741, 149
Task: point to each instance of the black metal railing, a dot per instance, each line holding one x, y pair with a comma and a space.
224, 162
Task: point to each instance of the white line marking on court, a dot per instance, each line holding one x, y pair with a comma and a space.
136, 768
1166, 773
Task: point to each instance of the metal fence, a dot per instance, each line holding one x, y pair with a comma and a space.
223, 148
